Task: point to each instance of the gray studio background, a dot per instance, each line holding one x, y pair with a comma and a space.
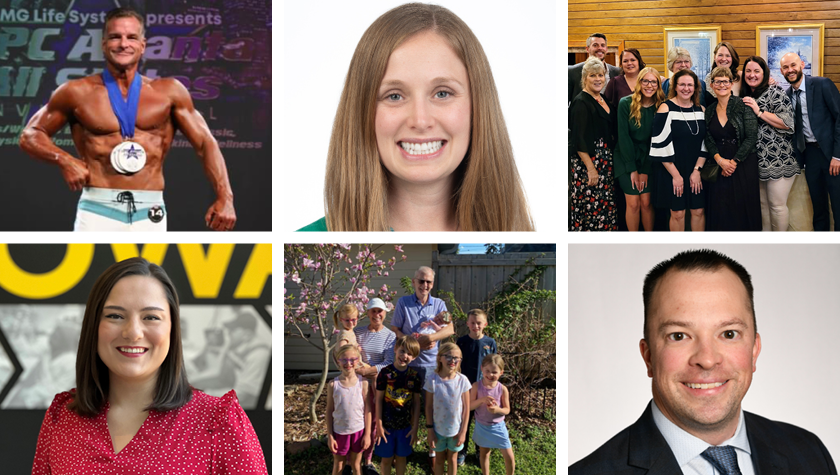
797, 303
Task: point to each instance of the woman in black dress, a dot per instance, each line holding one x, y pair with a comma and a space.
677, 142
733, 200
593, 138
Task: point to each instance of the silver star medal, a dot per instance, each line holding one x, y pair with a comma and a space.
128, 157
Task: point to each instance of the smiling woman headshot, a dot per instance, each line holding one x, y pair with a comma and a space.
419, 142
133, 410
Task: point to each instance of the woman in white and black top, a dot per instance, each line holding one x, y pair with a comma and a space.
677, 142
777, 165
377, 342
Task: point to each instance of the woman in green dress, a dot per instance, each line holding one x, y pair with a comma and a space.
632, 155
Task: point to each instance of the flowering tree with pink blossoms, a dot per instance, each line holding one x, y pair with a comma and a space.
323, 277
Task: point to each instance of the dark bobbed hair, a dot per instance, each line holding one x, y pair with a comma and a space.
705, 260
92, 378
746, 90
124, 12
672, 89
635, 53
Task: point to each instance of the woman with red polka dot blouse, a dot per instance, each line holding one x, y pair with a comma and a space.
133, 411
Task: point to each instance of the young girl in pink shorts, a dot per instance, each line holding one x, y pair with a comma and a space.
348, 413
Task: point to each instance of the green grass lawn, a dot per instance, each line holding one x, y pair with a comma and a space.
534, 449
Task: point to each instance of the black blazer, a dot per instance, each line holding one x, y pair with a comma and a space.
823, 113
777, 449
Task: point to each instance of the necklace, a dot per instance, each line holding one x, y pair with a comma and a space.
686, 121
597, 98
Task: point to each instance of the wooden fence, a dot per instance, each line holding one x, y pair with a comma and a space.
473, 279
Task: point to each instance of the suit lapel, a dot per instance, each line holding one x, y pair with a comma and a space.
811, 97
766, 460
648, 449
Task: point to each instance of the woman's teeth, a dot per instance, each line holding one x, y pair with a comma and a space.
424, 148
132, 350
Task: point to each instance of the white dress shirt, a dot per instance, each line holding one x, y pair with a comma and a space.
687, 448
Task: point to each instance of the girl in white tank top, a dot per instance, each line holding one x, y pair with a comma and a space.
348, 413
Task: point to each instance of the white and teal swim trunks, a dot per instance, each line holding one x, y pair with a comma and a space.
106, 209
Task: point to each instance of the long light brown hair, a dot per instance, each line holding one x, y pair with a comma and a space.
488, 193
636, 100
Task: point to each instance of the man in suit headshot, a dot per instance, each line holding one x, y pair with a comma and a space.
596, 45
700, 348
816, 104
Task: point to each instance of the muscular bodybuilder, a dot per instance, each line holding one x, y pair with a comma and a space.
126, 194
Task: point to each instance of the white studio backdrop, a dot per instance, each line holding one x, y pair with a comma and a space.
519, 41
797, 306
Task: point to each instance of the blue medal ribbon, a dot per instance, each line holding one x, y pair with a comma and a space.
124, 109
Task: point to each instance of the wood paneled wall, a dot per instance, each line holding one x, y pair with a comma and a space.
640, 23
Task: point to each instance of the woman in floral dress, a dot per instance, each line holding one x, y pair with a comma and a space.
592, 200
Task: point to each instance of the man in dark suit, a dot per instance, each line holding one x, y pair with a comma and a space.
816, 104
700, 347
596, 45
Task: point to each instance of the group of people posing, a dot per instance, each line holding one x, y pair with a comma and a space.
389, 377
725, 149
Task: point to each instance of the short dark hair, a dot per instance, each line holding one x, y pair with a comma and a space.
695, 260
124, 12
746, 90
635, 53
595, 35
172, 389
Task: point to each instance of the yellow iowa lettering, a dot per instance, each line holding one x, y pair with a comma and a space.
50, 284
256, 273
205, 272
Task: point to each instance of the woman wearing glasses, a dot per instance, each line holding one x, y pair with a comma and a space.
677, 142
632, 155
732, 199
679, 59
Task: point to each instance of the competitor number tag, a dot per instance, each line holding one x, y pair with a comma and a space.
156, 214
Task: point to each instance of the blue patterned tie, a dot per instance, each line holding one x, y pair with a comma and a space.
723, 459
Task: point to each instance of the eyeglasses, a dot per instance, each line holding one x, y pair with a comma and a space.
348, 360
683, 61
649, 82
722, 82
422, 281
452, 359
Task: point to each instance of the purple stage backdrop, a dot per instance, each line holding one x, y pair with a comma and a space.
219, 50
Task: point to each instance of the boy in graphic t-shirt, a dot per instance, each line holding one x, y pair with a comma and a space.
397, 407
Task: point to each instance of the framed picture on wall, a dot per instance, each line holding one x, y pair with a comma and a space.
774, 41
700, 41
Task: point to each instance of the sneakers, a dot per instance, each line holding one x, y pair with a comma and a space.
369, 469
461, 459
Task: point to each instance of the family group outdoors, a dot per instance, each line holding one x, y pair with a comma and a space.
391, 376
723, 149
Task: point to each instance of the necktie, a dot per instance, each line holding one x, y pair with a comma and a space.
723, 459
797, 123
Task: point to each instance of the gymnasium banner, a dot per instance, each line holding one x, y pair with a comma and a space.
219, 50
225, 292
